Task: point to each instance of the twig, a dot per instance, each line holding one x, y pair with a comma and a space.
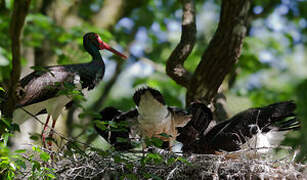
171, 173
175, 63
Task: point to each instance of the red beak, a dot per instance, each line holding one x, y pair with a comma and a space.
104, 45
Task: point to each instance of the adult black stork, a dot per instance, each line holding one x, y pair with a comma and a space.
263, 127
151, 118
40, 89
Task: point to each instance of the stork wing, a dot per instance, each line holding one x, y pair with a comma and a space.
42, 85
231, 134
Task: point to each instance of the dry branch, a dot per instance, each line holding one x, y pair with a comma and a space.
175, 63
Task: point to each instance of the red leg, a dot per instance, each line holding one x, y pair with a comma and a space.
43, 132
51, 132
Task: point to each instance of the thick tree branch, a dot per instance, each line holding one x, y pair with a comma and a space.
222, 53
20, 11
175, 63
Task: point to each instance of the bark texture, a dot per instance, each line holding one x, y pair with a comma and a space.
175, 63
222, 53
220, 56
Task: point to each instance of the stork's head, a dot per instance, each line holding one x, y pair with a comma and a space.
150, 102
93, 43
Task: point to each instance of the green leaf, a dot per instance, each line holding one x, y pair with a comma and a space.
39, 69
153, 157
36, 149
20, 151
44, 156
52, 176
101, 125
121, 140
165, 135
35, 165
130, 176
153, 141
6, 122
118, 159
21, 163
183, 160
35, 137
171, 160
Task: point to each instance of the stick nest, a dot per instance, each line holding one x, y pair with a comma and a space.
165, 165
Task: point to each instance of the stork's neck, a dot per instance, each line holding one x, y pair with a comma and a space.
93, 51
96, 56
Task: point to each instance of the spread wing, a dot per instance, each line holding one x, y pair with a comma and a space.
231, 134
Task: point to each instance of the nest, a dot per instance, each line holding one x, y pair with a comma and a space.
166, 165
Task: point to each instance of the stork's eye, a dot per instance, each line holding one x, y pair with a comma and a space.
93, 38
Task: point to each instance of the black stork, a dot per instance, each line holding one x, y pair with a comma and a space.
256, 128
263, 127
39, 90
151, 118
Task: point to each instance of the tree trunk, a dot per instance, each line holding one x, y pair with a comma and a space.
20, 11
222, 53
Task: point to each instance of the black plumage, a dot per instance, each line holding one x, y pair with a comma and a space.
231, 134
201, 117
122, 129
155, 93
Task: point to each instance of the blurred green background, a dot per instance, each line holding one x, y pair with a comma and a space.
272, 67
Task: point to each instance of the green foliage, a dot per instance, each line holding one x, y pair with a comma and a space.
153, 141
16, 162
39, 170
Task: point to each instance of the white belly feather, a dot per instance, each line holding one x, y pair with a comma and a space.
265, 141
